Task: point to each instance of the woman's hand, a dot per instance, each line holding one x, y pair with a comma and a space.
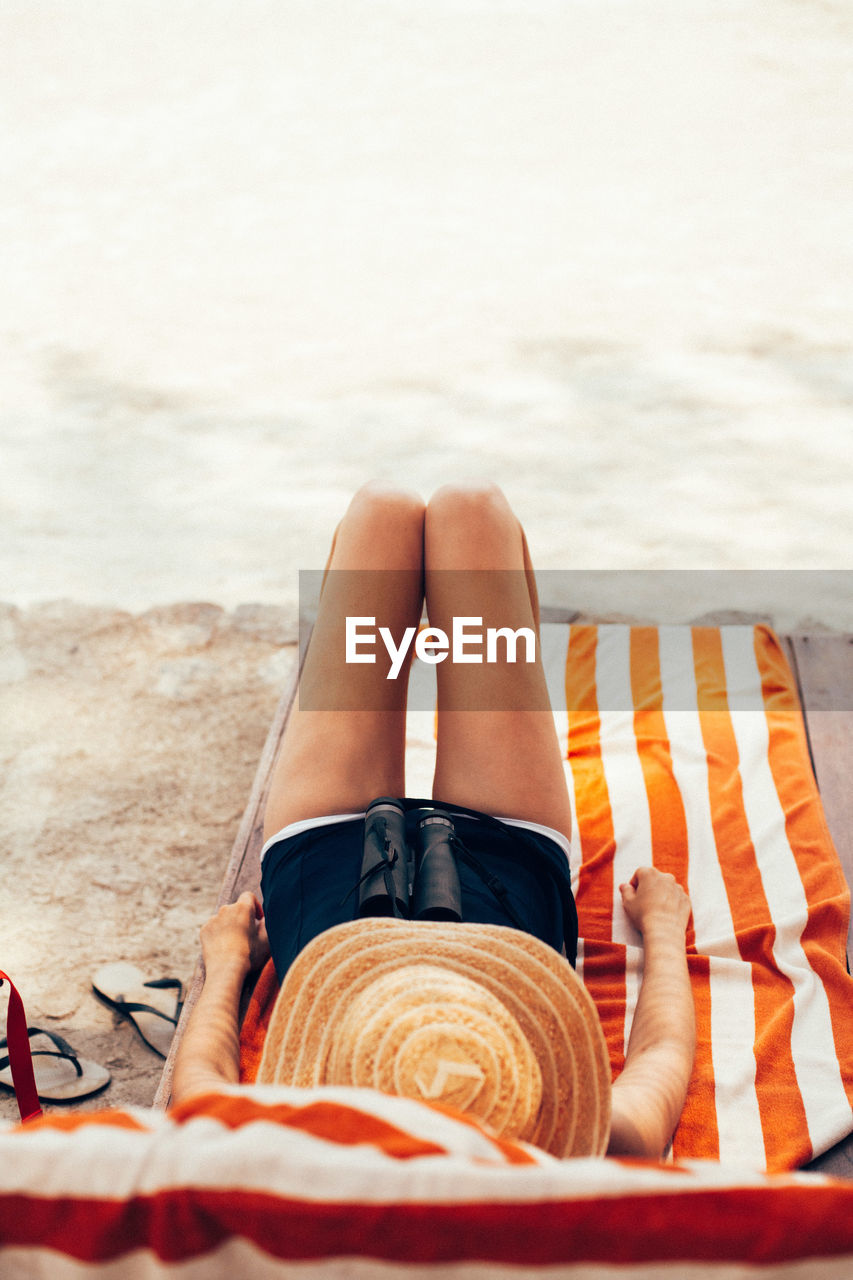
236, 935
233, 942
649, 1095
655, 902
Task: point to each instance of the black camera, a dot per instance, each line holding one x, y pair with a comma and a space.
386, 867
392, 883
437, 895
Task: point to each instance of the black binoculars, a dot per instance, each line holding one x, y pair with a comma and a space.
394, 882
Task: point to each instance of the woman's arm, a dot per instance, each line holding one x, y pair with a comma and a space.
649, 1095
233, 942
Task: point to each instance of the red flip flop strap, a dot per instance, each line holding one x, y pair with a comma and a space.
20, 1059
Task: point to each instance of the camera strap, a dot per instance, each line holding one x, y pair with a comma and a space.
518, 836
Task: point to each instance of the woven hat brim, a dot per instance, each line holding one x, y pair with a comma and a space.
537, 986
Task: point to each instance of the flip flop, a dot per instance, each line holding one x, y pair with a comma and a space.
152, 1007
61, 1074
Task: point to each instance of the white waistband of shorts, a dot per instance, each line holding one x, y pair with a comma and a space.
308, 824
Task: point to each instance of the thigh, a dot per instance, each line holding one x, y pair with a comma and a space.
497, 743
345, 739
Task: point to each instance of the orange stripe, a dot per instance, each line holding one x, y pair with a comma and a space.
604, 978
84, 1119
595, 820
254, 1028
604, 962
780, 1105
754, 1229
338, 1123
333, 1122
697, 1134
824, 938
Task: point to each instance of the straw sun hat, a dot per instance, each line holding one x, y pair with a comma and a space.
482, 1018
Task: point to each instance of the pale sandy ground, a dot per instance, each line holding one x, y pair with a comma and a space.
253, 255
129, 748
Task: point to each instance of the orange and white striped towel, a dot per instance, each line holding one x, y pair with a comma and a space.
274, 1183
685, 749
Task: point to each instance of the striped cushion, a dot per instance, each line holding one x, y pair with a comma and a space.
284, 1182
686, 748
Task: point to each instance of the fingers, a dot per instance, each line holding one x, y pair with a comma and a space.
261, 949
652, 896
629, 890
648, 875
255, 926
236, 933
245, 913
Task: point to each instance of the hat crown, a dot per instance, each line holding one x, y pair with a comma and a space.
426, 1031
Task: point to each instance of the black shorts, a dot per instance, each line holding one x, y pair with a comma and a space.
309, 882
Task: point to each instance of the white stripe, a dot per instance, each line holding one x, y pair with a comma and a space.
577, 851
812, 1040
420, 728
731, 991
712, 917
268, 1157
732, 1038
262, 1155
93, 1160
420, 750
555, 638
629, 802
633, 984
423, 685
205, 1155
743, 679
580, 960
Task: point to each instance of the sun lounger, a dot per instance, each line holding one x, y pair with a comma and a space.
820, 671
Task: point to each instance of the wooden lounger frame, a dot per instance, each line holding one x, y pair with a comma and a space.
823, 668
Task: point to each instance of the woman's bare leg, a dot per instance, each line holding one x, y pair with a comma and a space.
338, 758
497, 743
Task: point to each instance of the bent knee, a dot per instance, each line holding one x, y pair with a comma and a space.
473, 517
472, 496
382, 528
376, 498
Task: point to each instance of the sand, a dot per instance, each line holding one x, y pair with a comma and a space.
129, 748
255, 255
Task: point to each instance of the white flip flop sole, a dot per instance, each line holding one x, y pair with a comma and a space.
57, 1079
153, 1007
